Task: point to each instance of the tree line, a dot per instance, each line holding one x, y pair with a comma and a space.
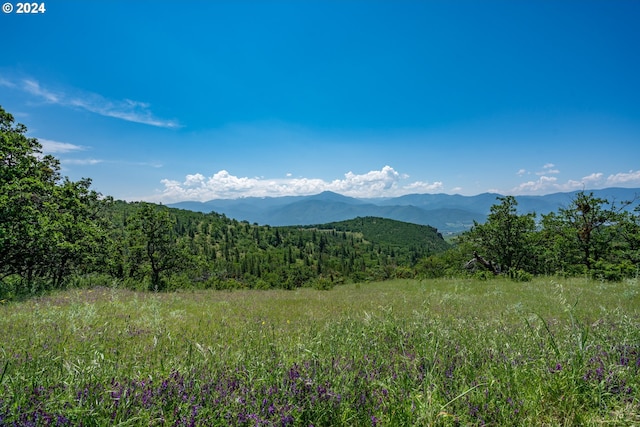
55, 232
591, 237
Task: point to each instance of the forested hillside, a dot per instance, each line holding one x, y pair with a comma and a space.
393, 233
215, 251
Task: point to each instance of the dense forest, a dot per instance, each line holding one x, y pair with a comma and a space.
55, 232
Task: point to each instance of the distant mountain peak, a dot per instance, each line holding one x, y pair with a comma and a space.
333, 197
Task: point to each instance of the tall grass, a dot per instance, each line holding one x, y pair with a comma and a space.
438, 352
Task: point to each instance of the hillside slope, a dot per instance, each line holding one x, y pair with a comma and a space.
390, 232
224, 252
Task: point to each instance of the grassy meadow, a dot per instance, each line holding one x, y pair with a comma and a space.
434, 352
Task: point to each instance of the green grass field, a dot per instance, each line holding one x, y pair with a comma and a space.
438, 352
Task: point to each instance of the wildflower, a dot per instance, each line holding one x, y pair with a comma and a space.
557, 368
286, 420
449, 372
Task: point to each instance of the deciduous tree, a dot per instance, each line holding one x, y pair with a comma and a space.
152, 243
505, 238
581, 233
46, 223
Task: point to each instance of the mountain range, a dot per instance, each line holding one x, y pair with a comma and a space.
448, 213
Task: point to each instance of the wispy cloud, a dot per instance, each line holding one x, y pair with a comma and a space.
127, 109
223, 185
548, 169
34, 88
6, 83
82, 161
55, 147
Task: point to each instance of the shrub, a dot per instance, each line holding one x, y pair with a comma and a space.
483, 275
323, 284
604, 270
520, 275
404, 273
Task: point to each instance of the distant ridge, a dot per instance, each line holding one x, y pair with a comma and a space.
448, 213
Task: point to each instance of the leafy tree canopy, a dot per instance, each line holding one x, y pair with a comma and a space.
47, 223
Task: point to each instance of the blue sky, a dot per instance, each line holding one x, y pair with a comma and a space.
193, 100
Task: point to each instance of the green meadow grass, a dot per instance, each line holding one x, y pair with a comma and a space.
405, 352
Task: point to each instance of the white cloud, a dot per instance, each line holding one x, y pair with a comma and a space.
548, 169
194, 180
425, 187
33, 87
370, 182
223, 185
56, 147
541, 184
591, 181
6, 83
127, 109
156, 165
52, 147
624, 178
549, 184
548, 172
594, 178
82, 161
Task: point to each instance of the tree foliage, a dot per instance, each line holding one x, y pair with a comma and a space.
506, 238
591, 236
151, 243
47, 224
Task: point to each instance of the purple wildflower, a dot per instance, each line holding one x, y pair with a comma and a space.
557, 368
